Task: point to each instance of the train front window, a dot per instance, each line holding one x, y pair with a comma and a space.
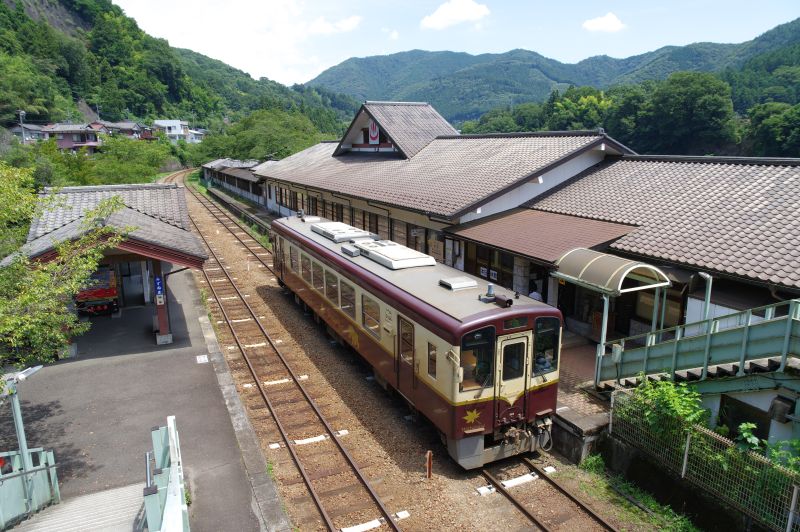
545, 345
477, 358
513, 360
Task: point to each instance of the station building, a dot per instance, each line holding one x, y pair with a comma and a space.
623, 244
135, 273
508, 207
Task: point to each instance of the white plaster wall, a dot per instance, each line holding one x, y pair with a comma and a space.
521, 194
760, 400
694, 313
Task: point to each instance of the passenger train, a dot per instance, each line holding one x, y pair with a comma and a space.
480, 362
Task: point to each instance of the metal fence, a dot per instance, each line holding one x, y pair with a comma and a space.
742, 479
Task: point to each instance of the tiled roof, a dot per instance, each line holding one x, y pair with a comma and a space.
219, 164
242, 173
540, 235
157, 211
732, 216
411, 125
67, 128
449, 176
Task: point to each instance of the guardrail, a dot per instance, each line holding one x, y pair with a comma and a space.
165, 491
771, 330
24, 492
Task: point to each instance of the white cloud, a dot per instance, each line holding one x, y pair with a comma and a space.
271, 39
454, 12
608, 23
321, 26
392, 34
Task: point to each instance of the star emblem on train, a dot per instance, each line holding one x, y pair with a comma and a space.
472, 416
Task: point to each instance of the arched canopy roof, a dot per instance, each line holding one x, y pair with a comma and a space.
606, 273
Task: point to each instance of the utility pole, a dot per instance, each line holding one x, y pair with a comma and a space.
22, 123
98, 108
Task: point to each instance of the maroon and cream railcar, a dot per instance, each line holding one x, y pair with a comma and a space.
480, 362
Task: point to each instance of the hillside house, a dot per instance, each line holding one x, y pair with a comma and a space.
76, 136
175, 130
32, 133
132, 130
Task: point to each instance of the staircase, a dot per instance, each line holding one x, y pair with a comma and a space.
111, 510
762, 339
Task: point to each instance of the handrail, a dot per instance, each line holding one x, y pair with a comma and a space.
769, 313
28, 472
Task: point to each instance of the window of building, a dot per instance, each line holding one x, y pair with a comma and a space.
373, 222
406, 347
293, 200
477, 359
312, 206
76, 137
545, 345
371, 315
514, 360
348, 299
332, 287
60, 136
305, 265
319, 277
338, 213
294, 262
431, 360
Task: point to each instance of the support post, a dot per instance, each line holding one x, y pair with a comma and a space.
654, 320
792, 509
27, 465
663, 312
601, 347
164, 335
686, 454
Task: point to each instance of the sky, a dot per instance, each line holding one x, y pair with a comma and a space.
292, 41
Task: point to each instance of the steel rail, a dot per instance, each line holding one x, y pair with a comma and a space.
359, 474
203, 201
572, 497
521, 507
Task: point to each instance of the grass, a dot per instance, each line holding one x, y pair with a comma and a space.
631, 505
270, 470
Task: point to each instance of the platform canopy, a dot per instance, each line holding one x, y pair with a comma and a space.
606, 273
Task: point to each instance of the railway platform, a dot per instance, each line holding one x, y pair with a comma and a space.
96, 411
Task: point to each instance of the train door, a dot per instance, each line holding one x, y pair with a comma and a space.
405, 356
511, 376
277, 257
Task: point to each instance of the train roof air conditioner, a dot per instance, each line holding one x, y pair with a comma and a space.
458, 283
338, 231
393, 255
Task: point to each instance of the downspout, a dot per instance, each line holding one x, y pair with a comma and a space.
707, 301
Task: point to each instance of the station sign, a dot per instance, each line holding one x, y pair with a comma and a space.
159, 284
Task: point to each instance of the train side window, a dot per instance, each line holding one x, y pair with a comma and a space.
477, 358
332, 287
348, 299
294, 262
305, 265
371, 315
431, 360
545, 345
319, 277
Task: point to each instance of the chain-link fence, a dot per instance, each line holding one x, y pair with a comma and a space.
743, 479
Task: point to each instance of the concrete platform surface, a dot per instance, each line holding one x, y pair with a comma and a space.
96, 411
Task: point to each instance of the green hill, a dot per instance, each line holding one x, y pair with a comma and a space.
463, 86
57, 54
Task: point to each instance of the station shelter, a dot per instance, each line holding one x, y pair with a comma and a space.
155, 221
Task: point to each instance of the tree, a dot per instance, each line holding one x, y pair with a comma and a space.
774, 129
35, 321
688, 113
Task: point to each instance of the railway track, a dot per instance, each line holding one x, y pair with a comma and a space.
564, 511
339, 489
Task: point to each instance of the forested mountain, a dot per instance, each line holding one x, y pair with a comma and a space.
463, 86
57, 53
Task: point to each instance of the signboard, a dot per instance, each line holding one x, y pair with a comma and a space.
159, 299
484, 271
492, 275
159, 284
374, 133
